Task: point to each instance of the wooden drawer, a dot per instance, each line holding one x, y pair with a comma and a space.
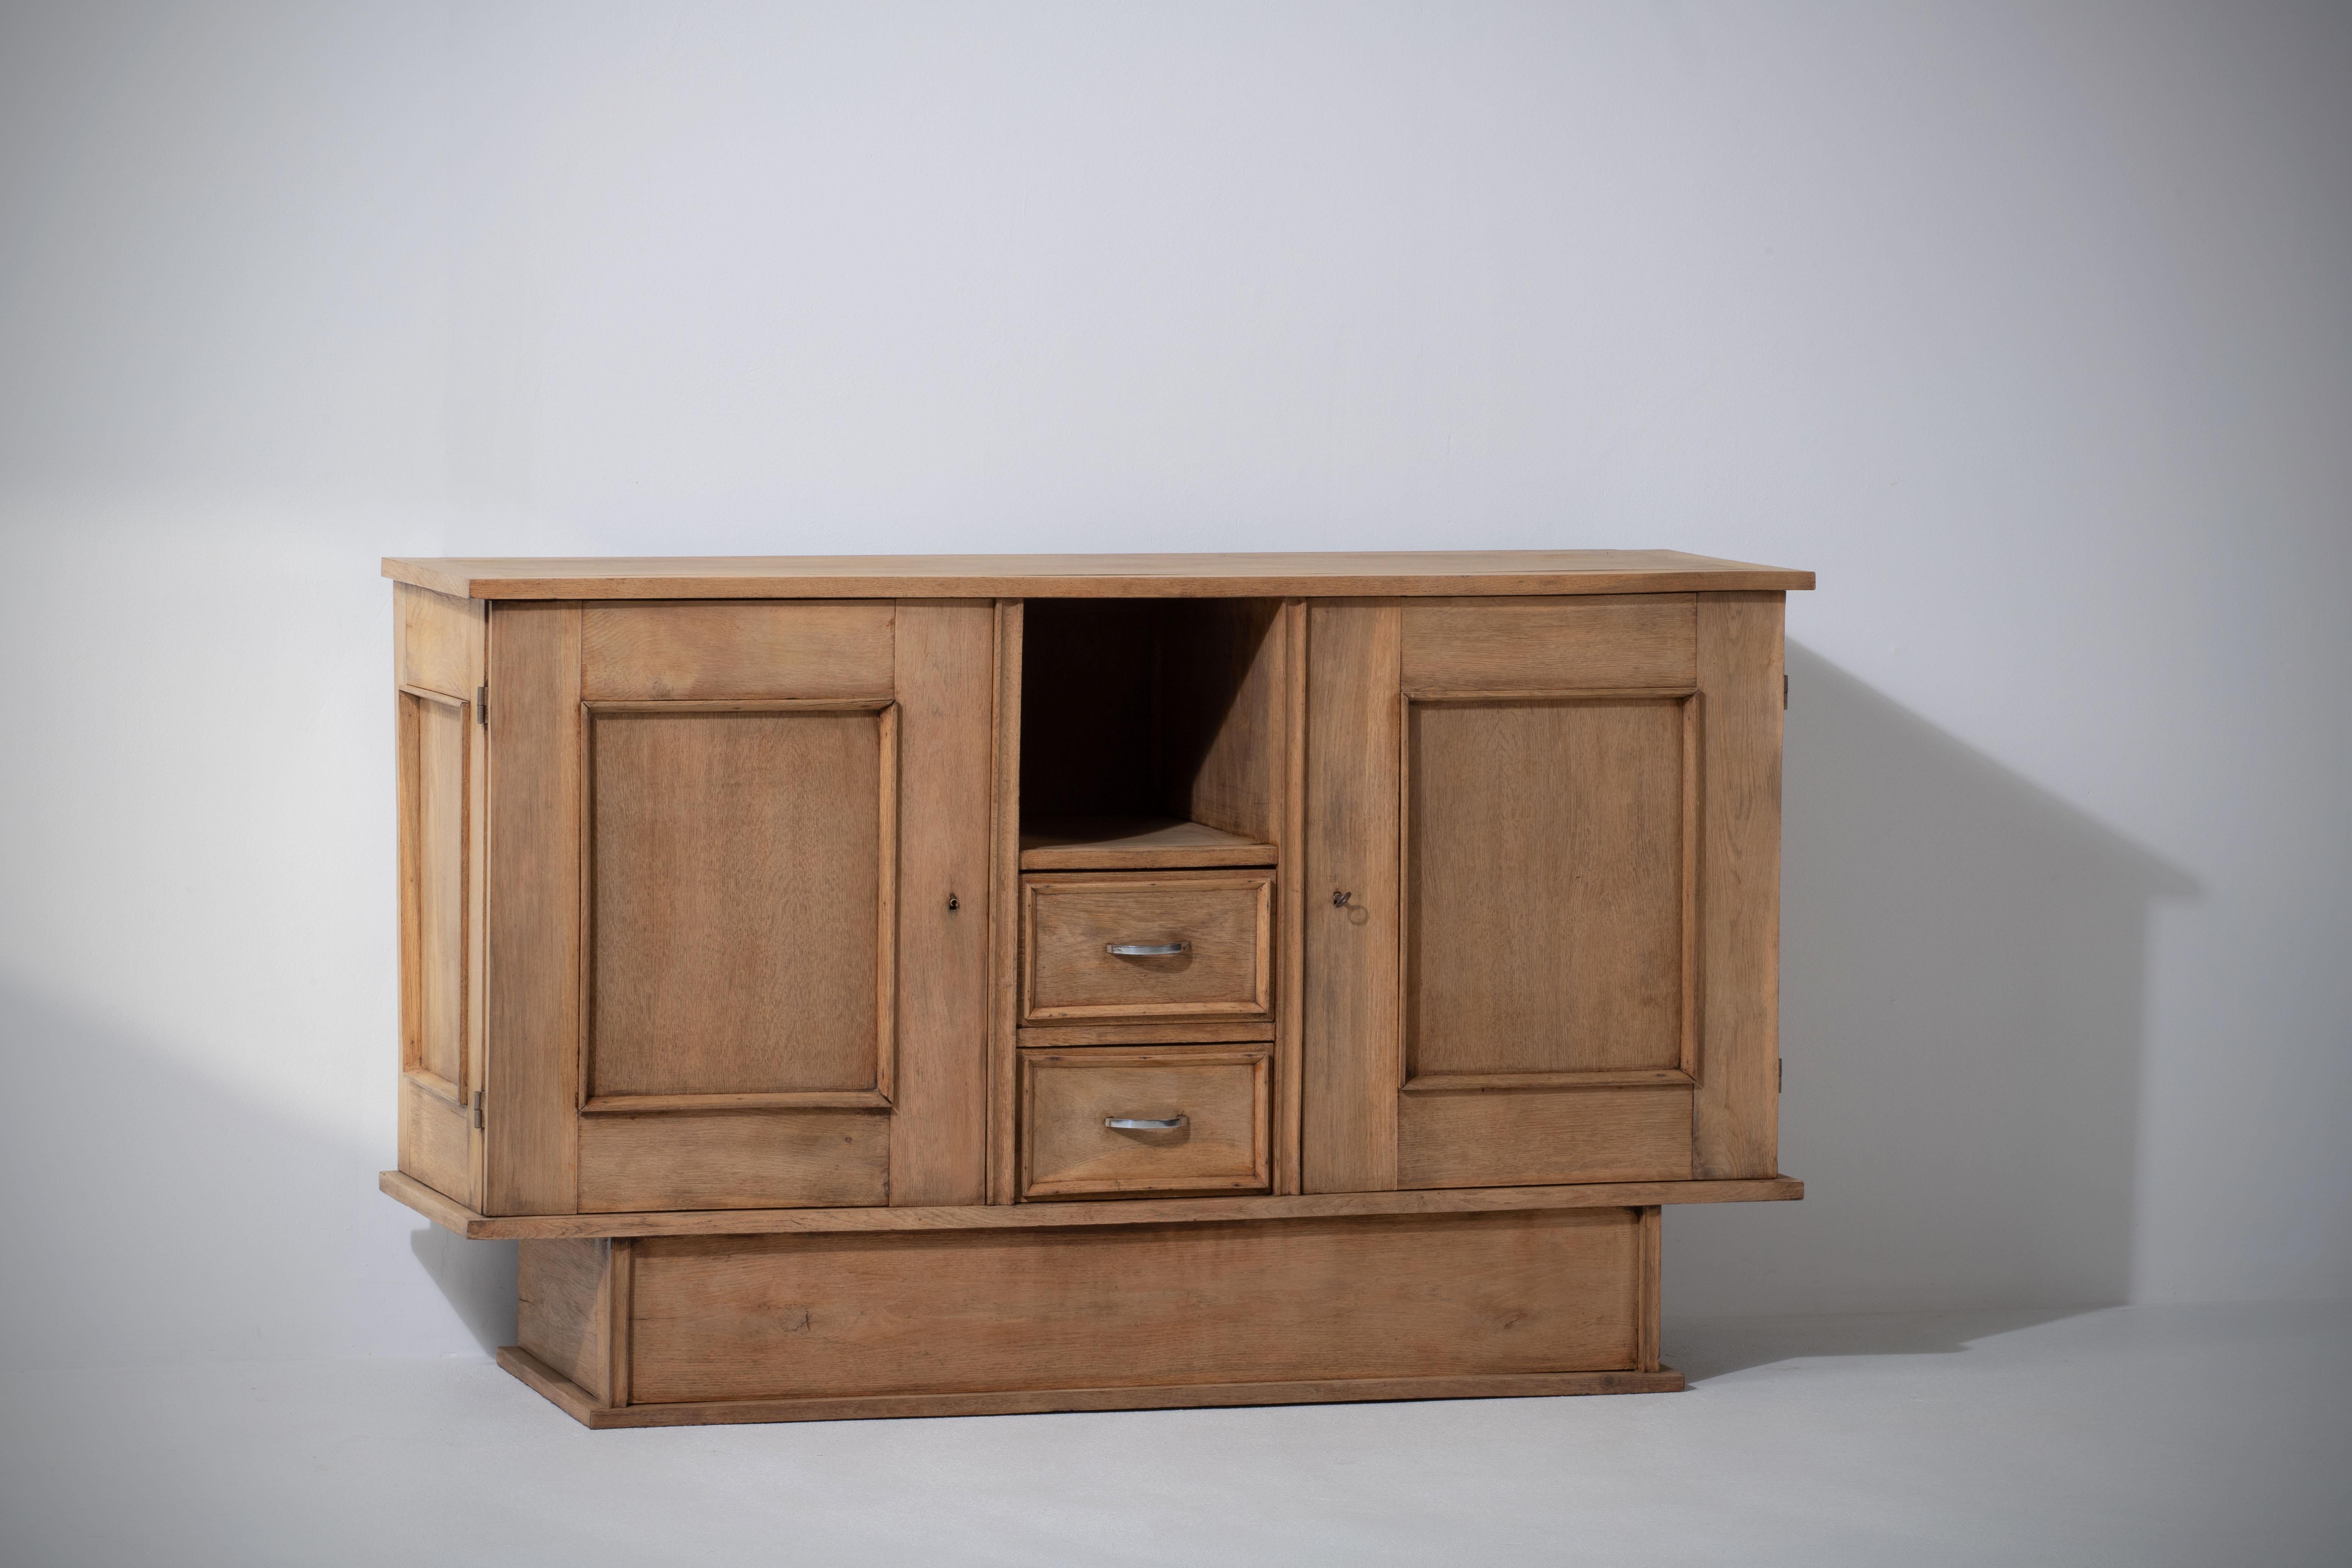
1217, 1094
1071, 924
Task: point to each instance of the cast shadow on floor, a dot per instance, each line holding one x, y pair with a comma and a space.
1708, 1348
194, 1221
477, 1277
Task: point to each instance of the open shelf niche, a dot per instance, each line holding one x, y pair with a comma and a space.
1150, 734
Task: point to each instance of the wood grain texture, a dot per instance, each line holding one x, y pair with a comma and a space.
1740, 664
439, 649
435, 1140
785, 1317
1544, 893
1183, 1031
1224, 919
437, 970
1648, 1350
1221, 1092
1351, 1039
531, 1072
459, 1220
1134, 844
1338, 573
578, 1404
437, 641
1217, 708
1638, 639
734, 1160
1003, 903
564, 1310
684, 652
1290, 900
738, 895
1544, 1138
620, 1316
946, 674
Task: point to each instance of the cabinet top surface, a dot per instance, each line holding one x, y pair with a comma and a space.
1337, 573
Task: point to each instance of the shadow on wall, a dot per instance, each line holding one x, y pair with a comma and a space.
155, 1216
1963, 975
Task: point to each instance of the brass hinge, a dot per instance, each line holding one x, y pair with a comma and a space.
482, 705
1779, 1076
477, 1109
1784, 693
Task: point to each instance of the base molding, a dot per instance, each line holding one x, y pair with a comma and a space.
681, 1331
578, 1404
459, 1220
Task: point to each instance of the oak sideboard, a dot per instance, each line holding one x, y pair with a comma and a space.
916, 985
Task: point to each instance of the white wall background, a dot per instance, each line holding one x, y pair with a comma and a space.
2028, 326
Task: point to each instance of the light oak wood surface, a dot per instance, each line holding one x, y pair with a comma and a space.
1222, 920
1742, 697
459, 1220
1290, 901
679, 652
1134, 844
582, 1407
738, 914
531, 1085
438, 653
1351, 1056
939, 1126
740, 1160
1341, 575
1069, 1097
1544, 1137
1482, 645
756, 920
963, 1311
1004, 902
564, 1310
1544, 892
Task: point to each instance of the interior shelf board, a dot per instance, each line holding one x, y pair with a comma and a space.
1133, 843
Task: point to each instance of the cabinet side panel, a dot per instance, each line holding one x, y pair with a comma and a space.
437, 663
533, 1059
1352, 1034
938, 1128
1407, 1295
562, 1309
1735, 1120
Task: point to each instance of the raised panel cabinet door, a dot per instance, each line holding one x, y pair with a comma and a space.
1544, 823
769, 807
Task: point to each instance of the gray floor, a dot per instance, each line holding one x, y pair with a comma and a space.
2141, 1435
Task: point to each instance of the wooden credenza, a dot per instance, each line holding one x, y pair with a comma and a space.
917, 985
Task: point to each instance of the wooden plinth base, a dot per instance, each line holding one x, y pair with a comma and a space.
581, 1405
672, 1331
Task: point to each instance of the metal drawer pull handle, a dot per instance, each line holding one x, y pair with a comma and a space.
1143, 1123
1145, 948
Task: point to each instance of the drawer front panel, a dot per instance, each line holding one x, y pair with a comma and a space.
1220, 923
1216, 1096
